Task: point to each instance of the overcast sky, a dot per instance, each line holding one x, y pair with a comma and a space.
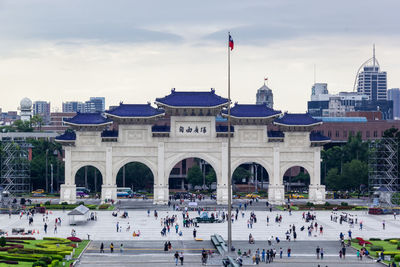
135, 51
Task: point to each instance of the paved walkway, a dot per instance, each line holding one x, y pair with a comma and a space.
105, 226
151, 253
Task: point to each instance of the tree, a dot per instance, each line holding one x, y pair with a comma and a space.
3, 241
241, 173
355, 173
137, 175
333, 179
195, 176
37, 121
23, 126
211, 177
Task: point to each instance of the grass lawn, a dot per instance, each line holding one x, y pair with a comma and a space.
387, 246
82, 245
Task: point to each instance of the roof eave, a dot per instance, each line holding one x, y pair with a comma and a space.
88, 125
130, 117
297, 125
169, 106
268, 117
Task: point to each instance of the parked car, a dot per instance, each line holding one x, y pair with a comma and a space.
38, 191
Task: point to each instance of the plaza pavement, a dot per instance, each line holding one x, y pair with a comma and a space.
105, 226
151, 253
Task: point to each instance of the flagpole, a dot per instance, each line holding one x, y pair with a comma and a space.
229, 152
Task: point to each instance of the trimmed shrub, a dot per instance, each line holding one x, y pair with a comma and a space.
47, 260
393, 241
104, 206
64, 203
375, 239
344, 204
47, 203
388, 239
54, 263
20, 238
397, 258
398, 245
376, 248
39, 263
310, 204
9, 262
74, 239
81, 203
3, 241
327, 204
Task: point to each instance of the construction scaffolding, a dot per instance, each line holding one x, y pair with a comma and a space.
15, 168
383, 171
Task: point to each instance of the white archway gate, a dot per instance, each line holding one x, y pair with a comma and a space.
192, 133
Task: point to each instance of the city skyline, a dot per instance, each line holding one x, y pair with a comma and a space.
132, 52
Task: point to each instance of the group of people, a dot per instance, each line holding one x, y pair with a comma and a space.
121, 248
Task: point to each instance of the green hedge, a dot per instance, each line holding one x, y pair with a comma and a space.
67, 207
54, 263
393, 241
397, 258
375, 239
376, 248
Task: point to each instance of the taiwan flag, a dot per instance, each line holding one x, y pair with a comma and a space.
231, 42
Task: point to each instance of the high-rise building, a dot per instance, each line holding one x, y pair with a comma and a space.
371, 81
42, 108
99, 103
89, 107
73, 106
318, 89
394, 95
265, 96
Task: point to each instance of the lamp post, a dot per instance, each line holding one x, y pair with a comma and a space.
51, 178
47, 179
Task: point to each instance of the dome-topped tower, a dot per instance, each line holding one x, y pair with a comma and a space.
26, 109
265, 96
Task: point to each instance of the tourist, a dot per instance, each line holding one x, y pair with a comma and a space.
121, 248
101, 247
203, 257
112, 248
263, 255
194, 233
176, 257
280, 253
317, 250
289, 251
45, 228
181, 257
322, 253
383, 224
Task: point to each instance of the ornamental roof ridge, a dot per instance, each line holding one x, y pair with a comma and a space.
135, 111
200, 99
88, 119
251, 111
297, 119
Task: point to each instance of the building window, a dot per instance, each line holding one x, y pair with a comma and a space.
345, 134
359, 132
367, 134
329, 134
375, 133
337, 134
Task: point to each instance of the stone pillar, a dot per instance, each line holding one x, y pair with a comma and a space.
222, 183
161, 180
109, 188
68, 190
316, 191
276, 190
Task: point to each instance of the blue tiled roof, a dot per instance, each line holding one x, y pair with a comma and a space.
87, 119
318, 137
223, 128
276, 134
251, 111
66, 136
160, 129
109, 133
192, 99
135, 110
299, 119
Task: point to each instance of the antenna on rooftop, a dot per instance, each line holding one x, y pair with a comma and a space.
373, 55
315, 73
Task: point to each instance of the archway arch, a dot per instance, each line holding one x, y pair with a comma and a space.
250, 176
90, 178
148, 163
296, 178
78, 165
192, 174
135, 175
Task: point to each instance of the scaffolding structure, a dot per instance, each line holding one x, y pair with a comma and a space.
15, 168
383, 171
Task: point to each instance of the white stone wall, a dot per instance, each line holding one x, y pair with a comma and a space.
198, 139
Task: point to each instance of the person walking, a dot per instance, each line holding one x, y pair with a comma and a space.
117, 226
289, 251
181, 257
280, 253
383, 224
101, 247
317, 250
194, 233
176, 256
322, 253
112, 248
55, 229
45, 228
344, 252
121, 248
